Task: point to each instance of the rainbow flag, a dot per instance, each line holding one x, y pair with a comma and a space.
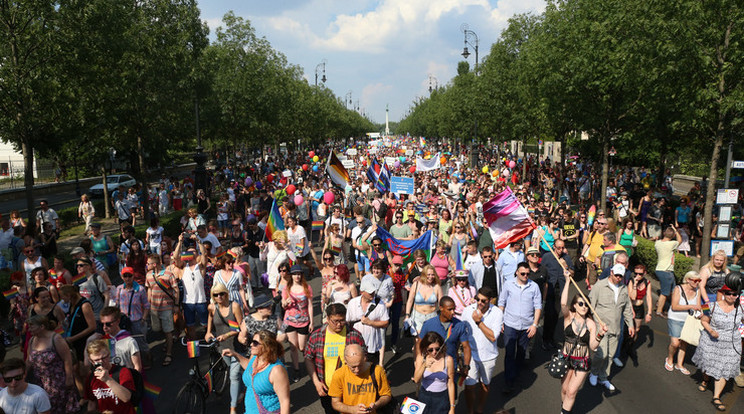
337, 171
233, 254
79, 279
11, 293
335, 250
185, 256
299, 247
591, 214
208, 378
317, 225
192, 348
507, 219
275, 221
234, 325
221, 254
706, 309
59, 330
458, 257
152, 390
422, 141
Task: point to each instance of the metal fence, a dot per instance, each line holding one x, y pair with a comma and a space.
12, 174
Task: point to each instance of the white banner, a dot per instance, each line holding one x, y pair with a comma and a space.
431, 164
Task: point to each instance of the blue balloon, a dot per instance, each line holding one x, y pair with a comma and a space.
258, 185
315, 168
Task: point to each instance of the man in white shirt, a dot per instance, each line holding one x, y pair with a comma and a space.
485, 322
20, 396
203, 235
369, 316
471, 255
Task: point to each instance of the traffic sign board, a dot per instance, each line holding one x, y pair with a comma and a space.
737, 164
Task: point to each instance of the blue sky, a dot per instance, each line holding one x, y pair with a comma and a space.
381, 51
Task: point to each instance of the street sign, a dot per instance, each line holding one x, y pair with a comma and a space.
723, 230
401, 185
727, 196
725, 245
737, 164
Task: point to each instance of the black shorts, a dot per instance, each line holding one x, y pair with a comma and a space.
640, 311
305, 330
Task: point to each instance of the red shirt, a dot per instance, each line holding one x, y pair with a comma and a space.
107, 400
399, 280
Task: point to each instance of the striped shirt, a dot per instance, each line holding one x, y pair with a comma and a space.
233, 285
138, 297
159, 299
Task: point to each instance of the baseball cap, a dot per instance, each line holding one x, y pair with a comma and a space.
296, 269
127, 271
398, 259
367, 286
618, 269
77, 250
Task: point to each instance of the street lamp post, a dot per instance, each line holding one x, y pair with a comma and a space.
320, 68
470, 36
433, 81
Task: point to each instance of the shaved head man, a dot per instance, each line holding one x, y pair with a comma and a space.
355, 386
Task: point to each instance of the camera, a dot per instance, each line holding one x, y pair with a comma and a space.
97, 365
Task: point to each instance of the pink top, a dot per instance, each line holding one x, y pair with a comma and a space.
441, 265
462, 297
296, 313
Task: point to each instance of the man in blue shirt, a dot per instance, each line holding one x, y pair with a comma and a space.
521, 302
510, 258
453, 330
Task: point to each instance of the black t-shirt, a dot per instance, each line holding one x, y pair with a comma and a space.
540, 276
569, 229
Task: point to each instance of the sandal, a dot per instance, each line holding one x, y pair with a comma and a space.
719, 405
703, 386
683, 370
167, 360
669, 367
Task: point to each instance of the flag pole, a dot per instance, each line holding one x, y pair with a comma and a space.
561, 262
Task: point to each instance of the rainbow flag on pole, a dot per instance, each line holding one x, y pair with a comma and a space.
192, 348
507, 219
11, 293
274, 222
317, 225
79, 279
337, 171
208, 378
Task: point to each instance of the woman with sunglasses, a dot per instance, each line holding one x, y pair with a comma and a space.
222, 314
642, 302
443, 262
298, 315
434, 370
335, 244
719, 351
582, 335
326, 267
685, 301
264, 375
458, 236
232, 279
339, 289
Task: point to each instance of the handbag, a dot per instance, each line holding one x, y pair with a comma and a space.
409, 329
558, 365
691, 330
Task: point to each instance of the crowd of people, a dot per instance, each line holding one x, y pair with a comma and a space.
236, 269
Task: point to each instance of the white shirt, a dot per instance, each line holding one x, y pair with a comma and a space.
298, 241
193, 285
374, 338
480, 347
615, 288
31, 401
156, 236
470, 260
212, 239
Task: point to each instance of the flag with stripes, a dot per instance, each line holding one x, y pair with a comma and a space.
337, 171
379, 175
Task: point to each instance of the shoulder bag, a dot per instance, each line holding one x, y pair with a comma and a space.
558, 365
389, 408
692, 328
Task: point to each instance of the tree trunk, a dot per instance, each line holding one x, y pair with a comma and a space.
143, 179
605, 171
28, 180
524, 160
106, 195
710, 195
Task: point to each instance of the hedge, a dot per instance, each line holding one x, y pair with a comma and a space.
646, 253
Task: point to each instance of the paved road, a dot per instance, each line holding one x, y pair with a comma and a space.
645, 388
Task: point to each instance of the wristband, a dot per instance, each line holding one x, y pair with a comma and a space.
534, 325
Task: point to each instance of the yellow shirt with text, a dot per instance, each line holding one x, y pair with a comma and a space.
354, 390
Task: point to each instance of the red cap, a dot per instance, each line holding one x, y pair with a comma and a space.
398, 259
127, 270
725, 288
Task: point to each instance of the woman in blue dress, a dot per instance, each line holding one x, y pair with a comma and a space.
264, 375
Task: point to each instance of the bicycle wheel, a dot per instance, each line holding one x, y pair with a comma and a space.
190, 399
220, 373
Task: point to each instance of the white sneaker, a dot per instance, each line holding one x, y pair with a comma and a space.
607, 384
593, 380
617, 362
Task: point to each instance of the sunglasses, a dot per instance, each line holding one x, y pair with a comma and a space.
255, 343
641, 274
482, 300
696, 280
81, 265
16, 378
580, 303
729, 293
433, 350
523, 273
537, 254
107, 324
218, 294
28, 251
283, 270
328, 258
376, 244
487, 256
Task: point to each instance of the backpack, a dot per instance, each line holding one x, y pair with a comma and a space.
382, 211
139, 384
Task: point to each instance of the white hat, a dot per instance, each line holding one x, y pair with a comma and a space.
618, 269
367, 286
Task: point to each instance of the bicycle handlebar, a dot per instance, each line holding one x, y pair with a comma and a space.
201, 343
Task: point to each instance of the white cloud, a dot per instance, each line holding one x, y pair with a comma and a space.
375, 92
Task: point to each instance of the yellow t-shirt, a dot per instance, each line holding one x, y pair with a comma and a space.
354, 390
333, 352
595, 246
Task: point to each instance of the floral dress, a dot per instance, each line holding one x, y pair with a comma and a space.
209, 272
49, 373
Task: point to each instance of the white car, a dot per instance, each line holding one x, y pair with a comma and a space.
112, 182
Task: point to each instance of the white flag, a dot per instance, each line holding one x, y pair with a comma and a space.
431, 164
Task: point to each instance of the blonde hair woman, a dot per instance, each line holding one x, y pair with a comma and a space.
685, 298
422, 303
277, 253
713, 276
86, 211
223, 311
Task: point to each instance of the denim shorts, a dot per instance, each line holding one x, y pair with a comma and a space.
666, 280
192, 311
675, 327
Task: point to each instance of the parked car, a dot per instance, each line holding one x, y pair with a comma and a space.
112, 182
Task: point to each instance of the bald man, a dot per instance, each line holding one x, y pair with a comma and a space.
353, 389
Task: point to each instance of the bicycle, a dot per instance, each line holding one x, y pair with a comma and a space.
191, 398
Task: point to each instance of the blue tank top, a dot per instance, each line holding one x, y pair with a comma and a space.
259, 386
